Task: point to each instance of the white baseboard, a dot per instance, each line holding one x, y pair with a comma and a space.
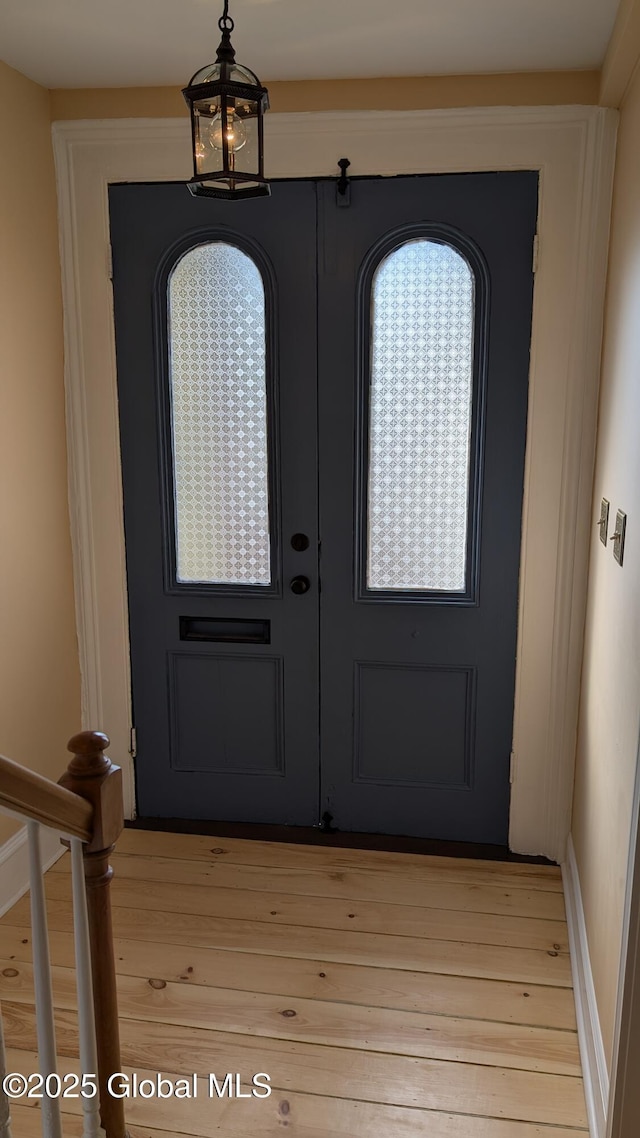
592, 1054
14, 864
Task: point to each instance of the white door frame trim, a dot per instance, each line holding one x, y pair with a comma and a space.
573, 148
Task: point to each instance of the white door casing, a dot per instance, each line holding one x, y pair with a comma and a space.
573, 148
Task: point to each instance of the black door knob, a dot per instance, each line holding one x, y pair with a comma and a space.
299, 542
300, 585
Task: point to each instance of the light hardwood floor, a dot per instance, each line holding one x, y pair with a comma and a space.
386, 995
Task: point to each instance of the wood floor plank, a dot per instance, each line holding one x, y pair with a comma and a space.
506, 1001
293, 909
368, 915
364, 884
323, 1022
530, 966
354, 884
192, 847
331, 1071
306, 1116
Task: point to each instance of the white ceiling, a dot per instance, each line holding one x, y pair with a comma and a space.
120, 43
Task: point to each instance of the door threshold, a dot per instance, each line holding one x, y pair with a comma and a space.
314, 836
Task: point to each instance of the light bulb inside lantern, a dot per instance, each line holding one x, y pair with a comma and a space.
236, 132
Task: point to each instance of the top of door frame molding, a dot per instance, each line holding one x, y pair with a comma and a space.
573, 148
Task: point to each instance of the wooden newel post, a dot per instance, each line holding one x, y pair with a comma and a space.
93, 776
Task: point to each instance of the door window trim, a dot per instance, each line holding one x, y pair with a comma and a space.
393, 240
172, 256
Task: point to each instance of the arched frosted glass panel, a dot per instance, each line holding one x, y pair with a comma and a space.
420, 419
219, 417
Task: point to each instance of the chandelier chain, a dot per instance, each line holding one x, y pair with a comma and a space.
225, 23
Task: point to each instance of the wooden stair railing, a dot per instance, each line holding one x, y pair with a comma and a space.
86, 806
31, 795
93, 777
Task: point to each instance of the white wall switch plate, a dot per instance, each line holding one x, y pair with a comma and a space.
618, 537
603, 524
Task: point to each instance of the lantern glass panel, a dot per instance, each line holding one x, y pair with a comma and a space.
242, 132
206, 116
240, 74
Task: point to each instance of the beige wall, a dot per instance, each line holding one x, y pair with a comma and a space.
610, 712
622, 54
419, 93
39, 680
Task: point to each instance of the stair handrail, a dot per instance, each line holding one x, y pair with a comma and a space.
31, 795
86, 805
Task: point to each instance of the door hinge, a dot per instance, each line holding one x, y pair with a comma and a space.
133, 743
536, 251
512, 768
110, 262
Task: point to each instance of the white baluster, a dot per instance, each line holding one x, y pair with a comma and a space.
5, 1116
86, 1017
45, 1026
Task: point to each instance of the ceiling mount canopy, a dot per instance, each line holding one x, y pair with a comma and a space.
227, 104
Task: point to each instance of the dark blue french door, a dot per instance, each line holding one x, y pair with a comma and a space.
323, 421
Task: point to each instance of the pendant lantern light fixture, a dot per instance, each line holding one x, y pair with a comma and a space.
227, 104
